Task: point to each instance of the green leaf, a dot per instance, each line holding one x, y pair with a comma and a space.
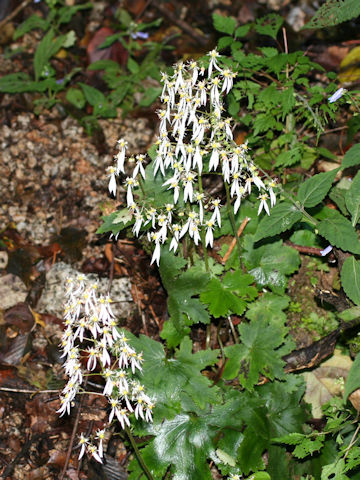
339, 232
314, 190
269, 25
46, 49
31, 23
334, 12
181, 291
269, 264
337, 195
21, 82
283, 217
76, 97
353, 379
133, 66
242, 31
224, 42
272, 410
352, 199
93, 95
288, 157
224, 24
350, 314
269, 307
256, 354
67, 12
229, 296
351, 157
151, 94
176, 381
350, 279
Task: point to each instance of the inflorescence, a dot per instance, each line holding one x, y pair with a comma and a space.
195, 139
90, 320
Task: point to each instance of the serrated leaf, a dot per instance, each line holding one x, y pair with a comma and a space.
337, 195
93, 95
229, 295
76, 97
309, 446
283, 216
256, 354
224, 42
351, 157
314, 190
334, 12
224, 24
242, 31
291, 439
350, 279
269, 307
269, 264
352, 199
273, 411
47, 48
21, 82
34, 21
269, 25
288, 157
339, 232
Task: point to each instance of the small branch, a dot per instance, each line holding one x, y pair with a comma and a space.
23, 390
233, 243
181, 24
14, 13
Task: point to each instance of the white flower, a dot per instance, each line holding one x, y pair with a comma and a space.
112, 181
209, 237
214, 159
214, 54
83, 442
263, 204
216, 215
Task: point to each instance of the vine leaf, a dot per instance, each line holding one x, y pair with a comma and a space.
314, 190
283, 217
350, 279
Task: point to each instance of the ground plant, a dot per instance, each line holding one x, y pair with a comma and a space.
227, 202
237, 409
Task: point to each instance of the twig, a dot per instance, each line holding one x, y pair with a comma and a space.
23, 390
181, 24
233, 243
72, 439
14, 13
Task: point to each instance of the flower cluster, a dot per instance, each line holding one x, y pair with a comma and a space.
89, 320
195, 139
